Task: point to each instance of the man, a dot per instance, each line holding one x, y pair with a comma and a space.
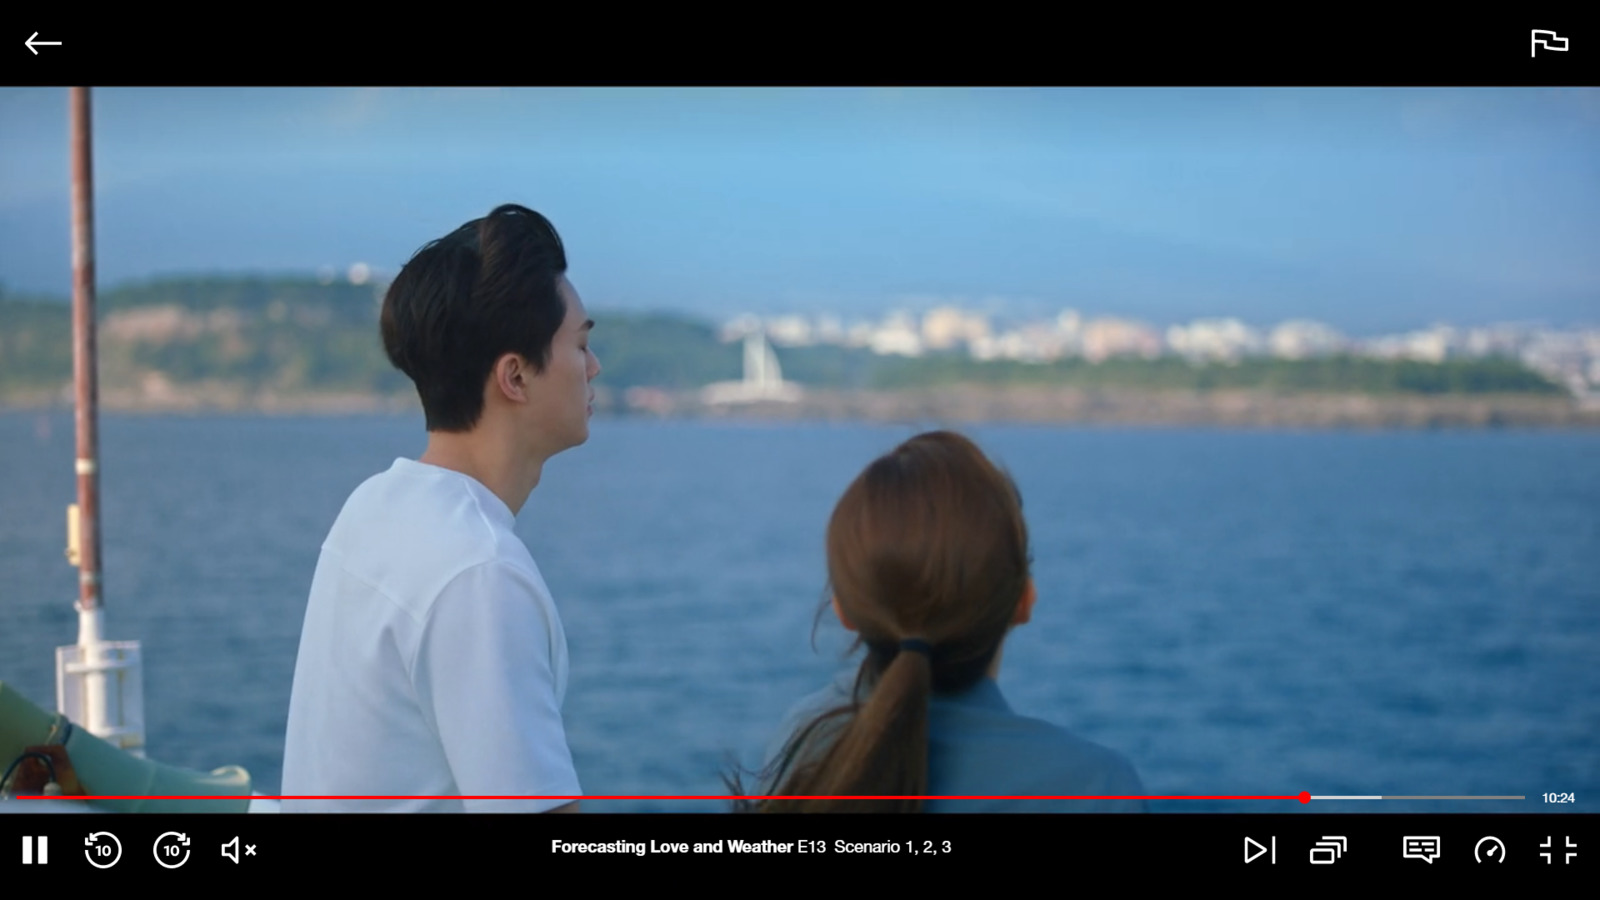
432, 662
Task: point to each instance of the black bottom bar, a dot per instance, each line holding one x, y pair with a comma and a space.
227, 850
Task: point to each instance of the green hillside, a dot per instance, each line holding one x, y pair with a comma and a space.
299, 336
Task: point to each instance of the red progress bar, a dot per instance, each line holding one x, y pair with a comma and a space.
1303, 797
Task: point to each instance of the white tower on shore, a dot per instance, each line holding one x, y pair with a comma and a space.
763, 378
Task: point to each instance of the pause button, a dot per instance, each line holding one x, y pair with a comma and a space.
35, 846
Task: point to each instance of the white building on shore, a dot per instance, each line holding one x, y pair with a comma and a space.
762, 382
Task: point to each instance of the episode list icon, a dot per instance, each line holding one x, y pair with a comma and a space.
1327, 851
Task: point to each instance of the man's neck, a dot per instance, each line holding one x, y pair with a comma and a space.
489, 458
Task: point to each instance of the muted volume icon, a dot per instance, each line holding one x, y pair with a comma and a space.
231, 850
1327, 851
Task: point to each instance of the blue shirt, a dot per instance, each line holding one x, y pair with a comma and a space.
978, 746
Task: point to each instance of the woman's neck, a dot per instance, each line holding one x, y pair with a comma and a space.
994, 664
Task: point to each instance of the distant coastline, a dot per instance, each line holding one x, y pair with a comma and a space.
951, 404
297, 346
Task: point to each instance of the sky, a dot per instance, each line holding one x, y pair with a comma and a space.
1373, 210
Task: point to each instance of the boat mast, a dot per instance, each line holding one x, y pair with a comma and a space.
85, 373
99, 683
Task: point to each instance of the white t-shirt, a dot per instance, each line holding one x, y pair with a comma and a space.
432, 662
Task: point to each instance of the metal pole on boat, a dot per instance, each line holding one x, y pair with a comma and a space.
85, 374
98, 683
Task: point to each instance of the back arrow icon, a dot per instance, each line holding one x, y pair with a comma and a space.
33, 44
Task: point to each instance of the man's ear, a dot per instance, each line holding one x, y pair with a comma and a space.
1025, 608
510, 377
843, 619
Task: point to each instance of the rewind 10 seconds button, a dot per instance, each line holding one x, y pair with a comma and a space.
102, 849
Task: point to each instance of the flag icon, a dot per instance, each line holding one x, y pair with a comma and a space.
1549, 40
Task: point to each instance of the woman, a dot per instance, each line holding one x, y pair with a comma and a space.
928, 563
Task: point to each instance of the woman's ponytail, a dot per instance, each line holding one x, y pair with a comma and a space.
882, 751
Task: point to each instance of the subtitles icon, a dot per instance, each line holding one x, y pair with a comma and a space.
1549, 40
1423, 848
1327, 851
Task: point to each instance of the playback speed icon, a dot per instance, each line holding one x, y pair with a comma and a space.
1490, 849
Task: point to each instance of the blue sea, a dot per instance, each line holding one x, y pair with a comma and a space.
1238, 612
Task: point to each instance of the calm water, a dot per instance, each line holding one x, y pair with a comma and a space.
1238, 612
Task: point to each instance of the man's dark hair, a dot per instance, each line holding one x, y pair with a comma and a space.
463, 301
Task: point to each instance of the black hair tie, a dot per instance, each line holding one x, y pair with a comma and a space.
917, 645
